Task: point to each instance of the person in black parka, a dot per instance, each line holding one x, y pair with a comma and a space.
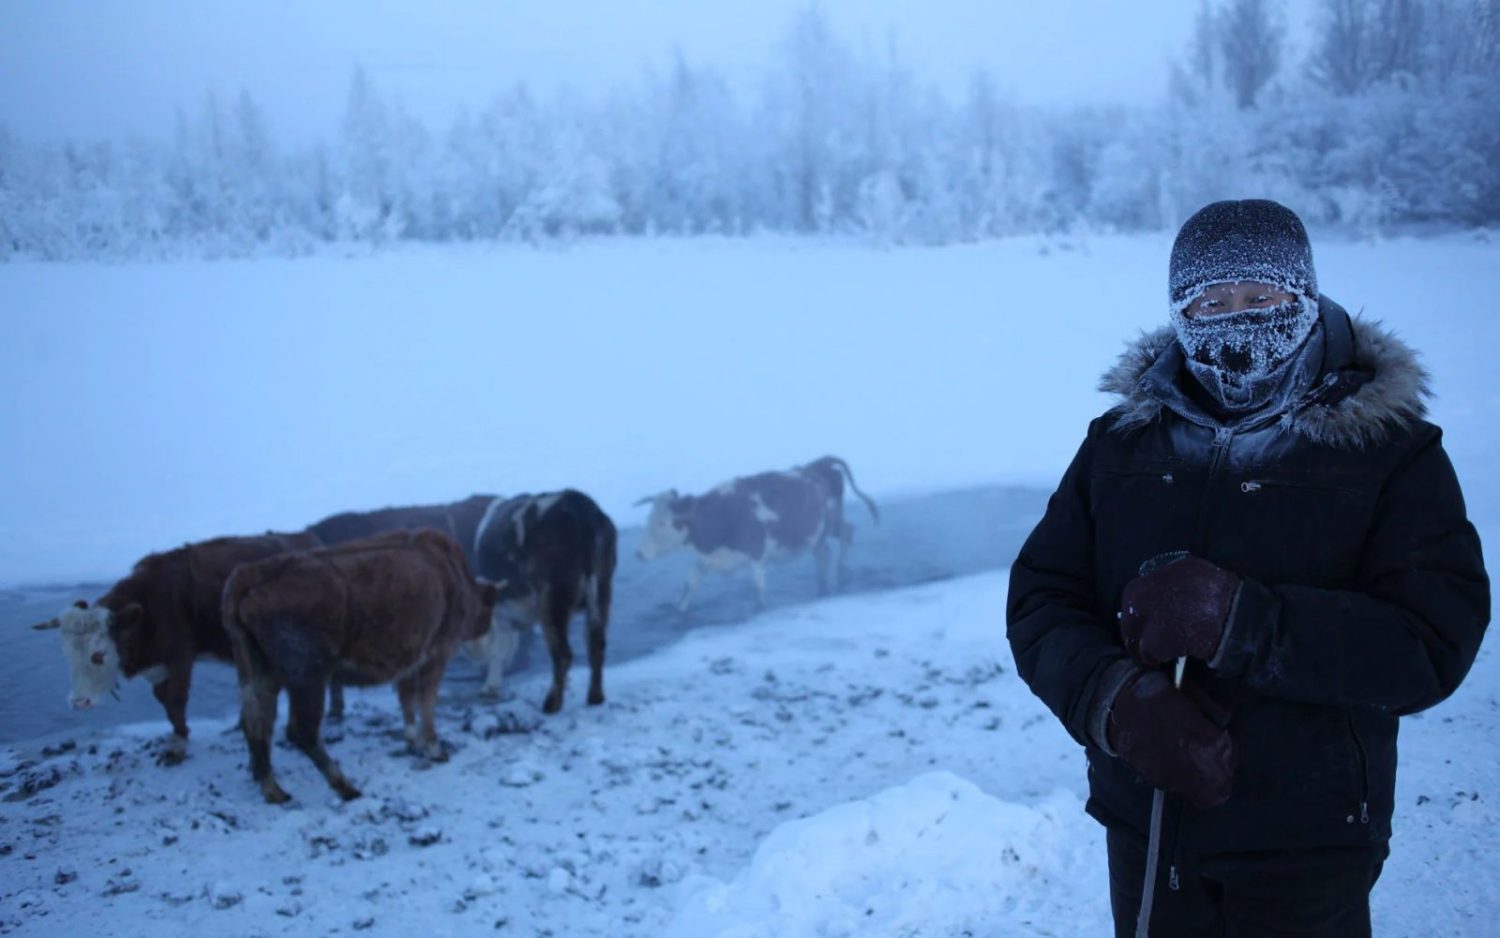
1267, 501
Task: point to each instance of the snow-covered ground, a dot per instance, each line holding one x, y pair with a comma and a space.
863, 766
150, 404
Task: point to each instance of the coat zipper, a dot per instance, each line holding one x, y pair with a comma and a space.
1364, 774
1220, 449
1222, 436
1174, 883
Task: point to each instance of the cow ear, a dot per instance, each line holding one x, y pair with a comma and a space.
81, 604
49, 624
129, 617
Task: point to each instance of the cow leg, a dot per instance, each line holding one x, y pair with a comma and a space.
846, 539
407, 693
758, 571
335, 702
690, 587
304, 730
822, 553
172, 693
429, 680
257, 719
503, 640
557, 608
598, 596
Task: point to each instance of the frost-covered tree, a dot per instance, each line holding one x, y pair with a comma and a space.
803, 112
368, 206
1389, 120
1235, 51
1251, 37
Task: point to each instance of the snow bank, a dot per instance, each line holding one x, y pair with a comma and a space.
935, 856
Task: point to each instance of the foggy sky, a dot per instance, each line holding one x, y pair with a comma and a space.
110, 68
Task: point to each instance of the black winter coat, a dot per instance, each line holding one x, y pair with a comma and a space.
1364, 593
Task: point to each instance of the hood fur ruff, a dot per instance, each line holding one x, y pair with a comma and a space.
1393, 397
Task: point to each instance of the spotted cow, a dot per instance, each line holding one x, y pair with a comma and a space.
748, 520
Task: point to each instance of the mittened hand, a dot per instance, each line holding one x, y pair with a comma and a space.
1178, 609
1161, 733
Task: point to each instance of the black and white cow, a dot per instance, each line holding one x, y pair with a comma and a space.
556, 555
746, 521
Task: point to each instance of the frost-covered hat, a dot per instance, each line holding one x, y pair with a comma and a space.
1253, 239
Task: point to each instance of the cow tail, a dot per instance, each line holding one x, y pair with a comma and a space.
248, 657
843, 467
604, 571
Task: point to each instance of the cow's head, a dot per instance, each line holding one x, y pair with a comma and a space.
494, 628
666, 528
92, 637
490, 594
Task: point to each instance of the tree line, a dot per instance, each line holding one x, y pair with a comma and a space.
1387, 115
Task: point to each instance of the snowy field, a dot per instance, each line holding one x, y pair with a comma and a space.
866, 765
151, 404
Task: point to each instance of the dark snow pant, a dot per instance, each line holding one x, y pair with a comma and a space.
1314, 893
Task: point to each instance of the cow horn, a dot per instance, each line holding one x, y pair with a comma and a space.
49, 624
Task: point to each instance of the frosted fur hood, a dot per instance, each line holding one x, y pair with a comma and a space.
1372, 384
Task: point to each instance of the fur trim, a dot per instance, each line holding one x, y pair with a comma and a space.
1391, 399
1136, 408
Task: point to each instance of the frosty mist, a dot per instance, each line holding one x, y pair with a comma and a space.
1368, 114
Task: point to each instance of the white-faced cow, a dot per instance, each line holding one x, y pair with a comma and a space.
390, 608
556, 554
157, 621
459, 520
746, 521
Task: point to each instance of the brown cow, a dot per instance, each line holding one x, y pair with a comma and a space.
390, 608
746, 521
157, 621
459, 520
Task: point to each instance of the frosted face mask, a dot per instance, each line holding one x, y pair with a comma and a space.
1242, 357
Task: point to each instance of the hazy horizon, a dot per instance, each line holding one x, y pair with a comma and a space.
109, 69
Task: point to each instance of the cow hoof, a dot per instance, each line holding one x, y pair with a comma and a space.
274, 793
552, 705
596, 697
438, 753
170, 757
347, 792
490, 693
